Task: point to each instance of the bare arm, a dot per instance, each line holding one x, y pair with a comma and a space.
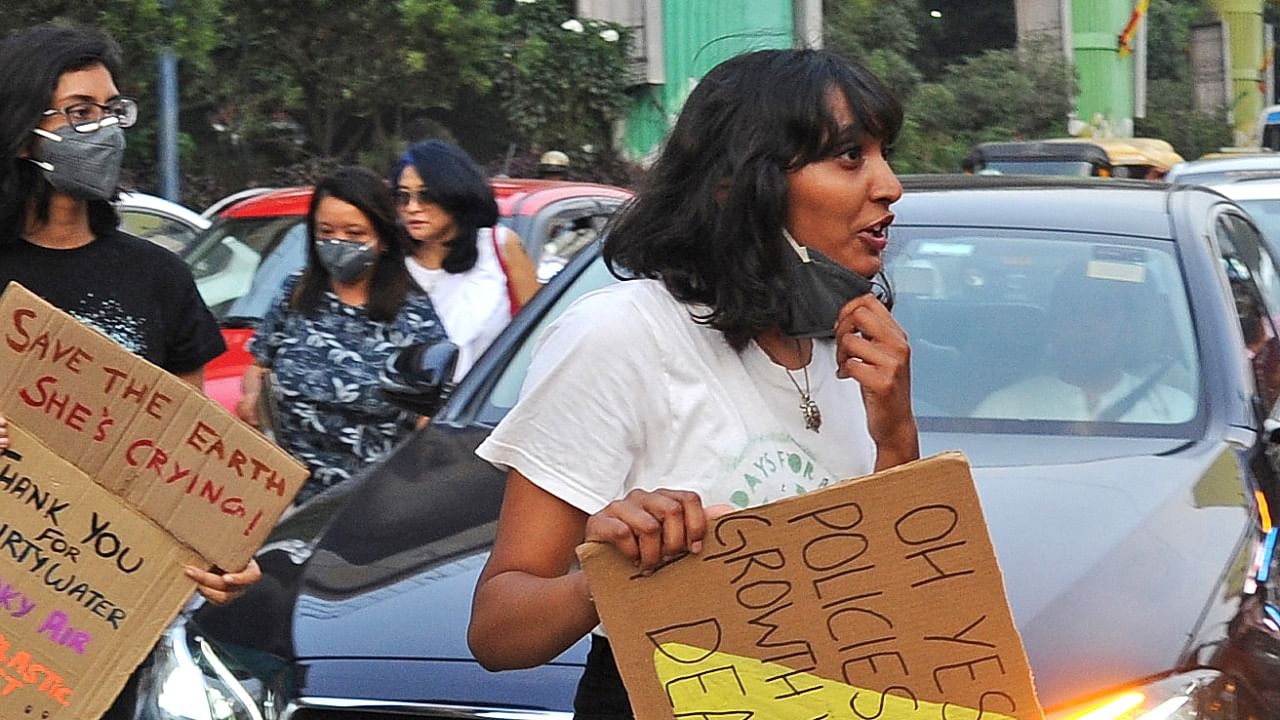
872, 348
531, 601
250, 389
530, 604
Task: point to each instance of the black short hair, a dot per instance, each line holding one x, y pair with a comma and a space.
390, 283
457, 184
31, 63
708, 217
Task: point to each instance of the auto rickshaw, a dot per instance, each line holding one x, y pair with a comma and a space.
1142, 158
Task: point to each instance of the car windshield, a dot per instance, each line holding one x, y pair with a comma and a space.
225, 258
1018, 333
1037, 167
1047, 332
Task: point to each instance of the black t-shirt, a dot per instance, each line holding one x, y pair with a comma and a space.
133, 291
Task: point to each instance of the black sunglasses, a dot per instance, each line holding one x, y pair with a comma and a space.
403, 197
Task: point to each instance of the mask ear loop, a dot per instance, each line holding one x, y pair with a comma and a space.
47, 167
800, 250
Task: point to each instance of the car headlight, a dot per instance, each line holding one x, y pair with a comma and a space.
188, 681
1186, 696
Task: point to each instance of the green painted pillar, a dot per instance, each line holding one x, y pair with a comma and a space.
1243, 19
1105, 102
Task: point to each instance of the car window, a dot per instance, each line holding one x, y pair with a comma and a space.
1013, 329
1266, 214
506, 390
1255, 286
224, 259
162, 230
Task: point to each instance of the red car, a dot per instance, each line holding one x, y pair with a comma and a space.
241, 261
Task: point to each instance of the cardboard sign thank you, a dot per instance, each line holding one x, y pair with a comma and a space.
118, 474
874, 598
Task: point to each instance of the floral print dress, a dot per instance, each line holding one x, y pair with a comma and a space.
326, 370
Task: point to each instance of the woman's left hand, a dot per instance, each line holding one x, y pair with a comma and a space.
221, 588
872, 348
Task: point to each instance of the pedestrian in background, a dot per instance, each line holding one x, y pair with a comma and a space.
326, 339
647, 402
62, 123
476, 271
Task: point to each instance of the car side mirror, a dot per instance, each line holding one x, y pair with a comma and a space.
419, 377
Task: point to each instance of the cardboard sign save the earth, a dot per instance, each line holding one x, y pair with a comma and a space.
874, 598
118, 474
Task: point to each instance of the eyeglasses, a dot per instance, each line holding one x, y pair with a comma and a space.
423, 196
87, 117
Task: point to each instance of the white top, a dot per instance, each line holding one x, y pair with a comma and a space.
626, 390
1047, 397
473, 306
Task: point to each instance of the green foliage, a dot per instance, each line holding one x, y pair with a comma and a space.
1170, 116
998, 95
879, 35
563, 88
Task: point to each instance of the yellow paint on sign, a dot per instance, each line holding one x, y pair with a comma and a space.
705, 684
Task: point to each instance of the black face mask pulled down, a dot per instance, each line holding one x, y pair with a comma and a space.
818, 287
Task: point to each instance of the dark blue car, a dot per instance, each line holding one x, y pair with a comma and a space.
1130, 519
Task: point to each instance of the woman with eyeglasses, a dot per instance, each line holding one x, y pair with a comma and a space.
476, 280
326, 339
62, 123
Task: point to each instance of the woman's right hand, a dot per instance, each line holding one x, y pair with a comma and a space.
654, 527
4, 433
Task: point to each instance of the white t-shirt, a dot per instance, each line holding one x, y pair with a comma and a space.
626, 390
1047, 397
473, 306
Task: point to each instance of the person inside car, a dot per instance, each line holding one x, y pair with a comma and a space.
476, 271
327, 338
646, 402
1095, 370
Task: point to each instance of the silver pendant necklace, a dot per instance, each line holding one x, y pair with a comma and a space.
808, 408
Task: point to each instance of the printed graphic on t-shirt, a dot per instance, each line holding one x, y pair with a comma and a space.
108, 317
772, 467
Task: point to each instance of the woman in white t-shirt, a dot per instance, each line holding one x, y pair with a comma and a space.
447, 207
739, 366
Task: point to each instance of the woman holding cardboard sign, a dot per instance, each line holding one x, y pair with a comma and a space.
748, 359
62, 122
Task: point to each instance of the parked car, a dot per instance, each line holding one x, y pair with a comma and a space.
1226, 169
161, 221
241, 262
217, 206
1138, 557
1260, 196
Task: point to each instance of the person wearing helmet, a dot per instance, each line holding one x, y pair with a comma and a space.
553, 165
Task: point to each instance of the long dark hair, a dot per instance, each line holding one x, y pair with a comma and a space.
390, 282
708, 218
31, 63
456, 183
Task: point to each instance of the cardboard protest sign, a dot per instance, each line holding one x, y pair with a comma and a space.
118, 474
874, 598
